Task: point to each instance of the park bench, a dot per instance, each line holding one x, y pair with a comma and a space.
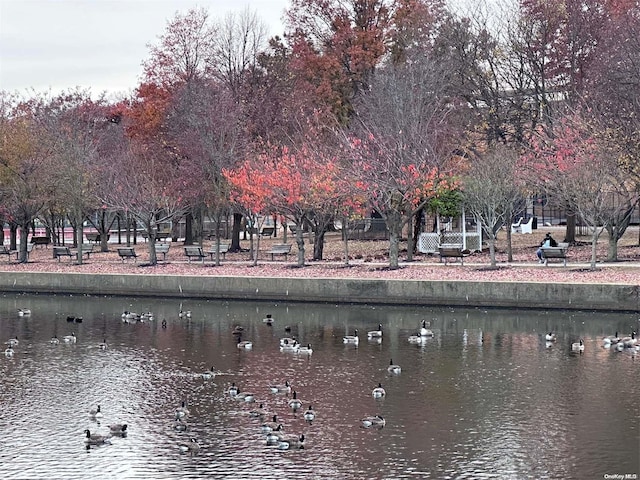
160, 236
523, 227
86, 249
279, 249
59, 252
194, 252
267, 231
163, 248
515, 227
95, 237
127, 252
451, 251
224, 248
4, 250
30, 247
559, 252
41, 240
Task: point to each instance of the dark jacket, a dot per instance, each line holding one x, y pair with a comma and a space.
552, 241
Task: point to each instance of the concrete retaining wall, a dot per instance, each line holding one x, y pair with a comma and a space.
608, 297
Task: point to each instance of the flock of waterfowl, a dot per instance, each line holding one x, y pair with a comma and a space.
271, 425
622, 343
12, 343
90, 438
97, 439
615, 342
273, 429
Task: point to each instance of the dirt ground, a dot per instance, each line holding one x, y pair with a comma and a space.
524, 247
367, 259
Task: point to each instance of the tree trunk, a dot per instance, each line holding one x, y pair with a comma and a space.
78, 237
410, 242
217, 244
509, 246
235, 232
188, 229
570, 233
300, 242
318, 243
151, 231
24, 234
394, 249
153, 256
492, 251
394, 224
103, 230
594, 250
612, 251
417, 227
13, 234
119, 227
254, 250
175, 228
128, 231
617, 231
345, 240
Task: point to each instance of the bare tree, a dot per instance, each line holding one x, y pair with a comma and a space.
240, 40
142, 184
79, 125
490, 189
206, 129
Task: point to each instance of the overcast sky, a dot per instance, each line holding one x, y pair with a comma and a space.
98, 44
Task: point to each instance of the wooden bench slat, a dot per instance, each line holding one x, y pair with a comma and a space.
267, 231
224, 248
559, 252
41, 240
163, 248
4, 250
279, 249
95, 237
194, 252
59, 252
451, 251
86, 249
127, 252
159, 236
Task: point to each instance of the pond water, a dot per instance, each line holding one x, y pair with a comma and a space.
485, 397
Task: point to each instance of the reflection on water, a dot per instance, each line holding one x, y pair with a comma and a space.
485, 397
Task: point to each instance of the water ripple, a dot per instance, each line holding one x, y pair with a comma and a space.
484, 398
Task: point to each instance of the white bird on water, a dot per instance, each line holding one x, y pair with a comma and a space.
393, 368
351, 339
70, 338
375, 333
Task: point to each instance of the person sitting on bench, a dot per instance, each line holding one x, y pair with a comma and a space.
548, 241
